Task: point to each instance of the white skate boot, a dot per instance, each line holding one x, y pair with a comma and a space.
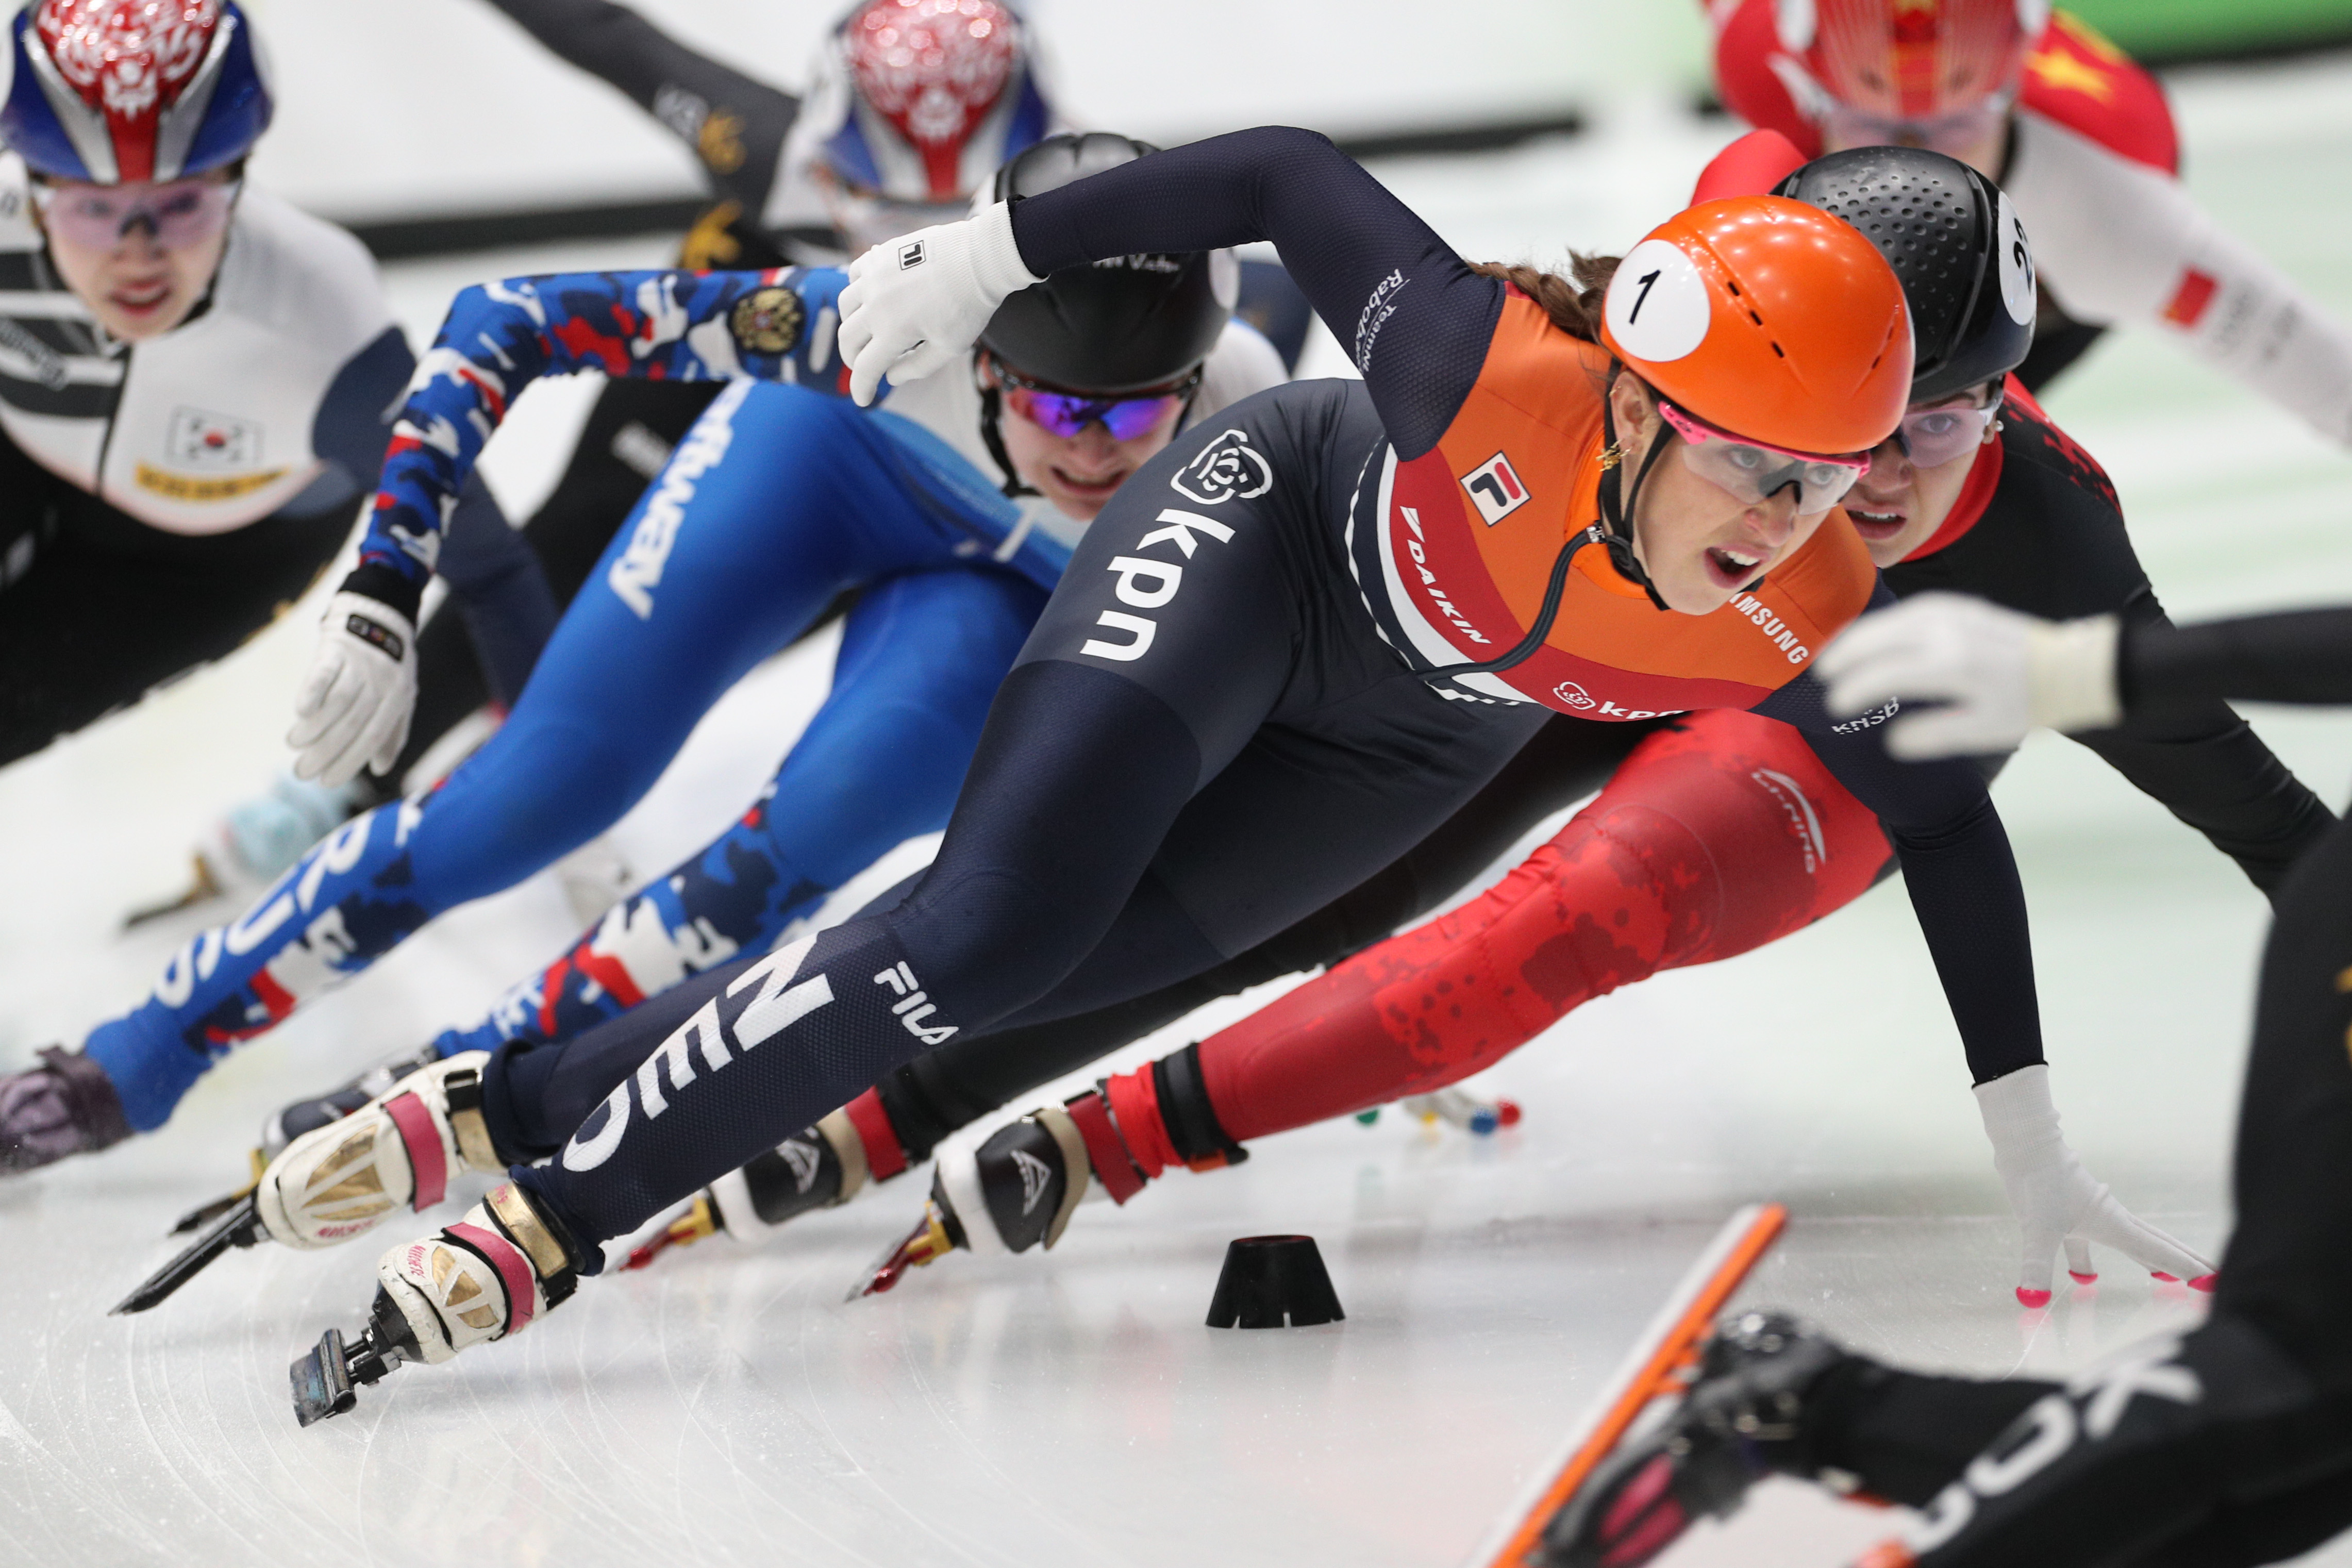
490, 1276
343, 1179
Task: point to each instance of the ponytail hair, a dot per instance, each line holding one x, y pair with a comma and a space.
1572, 302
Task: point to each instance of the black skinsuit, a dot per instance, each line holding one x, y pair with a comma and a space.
2233, 1445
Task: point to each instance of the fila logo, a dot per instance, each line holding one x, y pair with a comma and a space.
1493, 486
1034, 1174
915, 1006
910, 255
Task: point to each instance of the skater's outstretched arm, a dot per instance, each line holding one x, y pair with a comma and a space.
734, 124
498, 338
1999, 673
1415, 318
352, 708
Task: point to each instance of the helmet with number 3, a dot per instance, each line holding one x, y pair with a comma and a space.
126, 92
1768, 319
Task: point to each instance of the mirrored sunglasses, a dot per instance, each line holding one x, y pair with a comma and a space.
1755, 472
1066, 414
179, 213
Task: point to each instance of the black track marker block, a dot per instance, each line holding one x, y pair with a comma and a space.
1271, 1280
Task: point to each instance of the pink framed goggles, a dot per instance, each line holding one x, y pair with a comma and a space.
178, 214
1934, 436
1064, 413
1755, 472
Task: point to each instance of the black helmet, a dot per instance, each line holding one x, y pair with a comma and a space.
1953, 240
1120, 325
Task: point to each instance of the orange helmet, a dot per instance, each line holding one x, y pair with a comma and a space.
1766, 317
1910, 59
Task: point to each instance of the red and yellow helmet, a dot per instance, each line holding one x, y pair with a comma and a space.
1910, 59
1766, 317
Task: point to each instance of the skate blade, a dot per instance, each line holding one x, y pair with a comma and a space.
696, 1222
204, 890
198, 1217
322, 1380
238, 1225
1659, 1367
928, 1241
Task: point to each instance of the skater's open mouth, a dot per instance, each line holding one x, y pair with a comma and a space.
1729, 568
1876, 526
141, 299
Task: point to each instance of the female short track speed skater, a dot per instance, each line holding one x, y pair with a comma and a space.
1298, 640
1715, 836
193, 376
790, 189
2082, 140
2230, 1445
786, 497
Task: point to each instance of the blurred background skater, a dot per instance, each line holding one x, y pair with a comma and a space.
195, 386
2082, 140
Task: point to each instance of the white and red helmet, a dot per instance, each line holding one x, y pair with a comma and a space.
120, 91
940, 93
1904, 60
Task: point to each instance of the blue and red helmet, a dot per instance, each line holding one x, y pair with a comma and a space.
126, 92
942, 92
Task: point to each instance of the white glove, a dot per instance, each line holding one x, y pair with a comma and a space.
2059, 1202
2002, 674
917, 302
354, 706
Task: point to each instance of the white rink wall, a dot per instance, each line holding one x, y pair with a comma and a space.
434, 107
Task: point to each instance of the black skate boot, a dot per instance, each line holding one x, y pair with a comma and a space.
64, 1106
818, 1167
1743, 1419
1014, 1192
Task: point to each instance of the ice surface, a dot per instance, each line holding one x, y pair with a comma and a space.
1033, 1412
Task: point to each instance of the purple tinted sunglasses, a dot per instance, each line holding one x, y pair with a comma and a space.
1064, 413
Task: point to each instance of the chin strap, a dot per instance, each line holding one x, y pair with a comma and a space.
991, 408
1526, 647
1614, 532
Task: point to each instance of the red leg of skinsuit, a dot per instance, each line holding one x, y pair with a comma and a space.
1714, 836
